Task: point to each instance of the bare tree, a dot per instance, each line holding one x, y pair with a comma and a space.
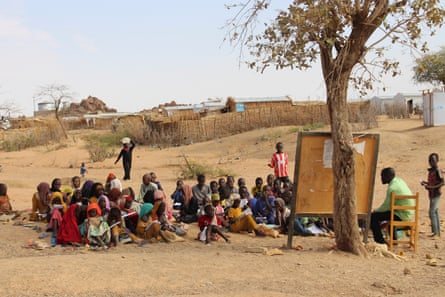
57, 94
338, 32
9, 106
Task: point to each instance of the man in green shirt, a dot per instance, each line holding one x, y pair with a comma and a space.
383, 212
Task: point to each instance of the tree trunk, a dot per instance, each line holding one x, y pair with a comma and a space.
61, 125
346, 228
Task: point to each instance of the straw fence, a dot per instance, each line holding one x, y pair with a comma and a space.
187, 131
187, 128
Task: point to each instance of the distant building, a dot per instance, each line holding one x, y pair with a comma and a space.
211, 105
235, 104
409, 102
413, 101
45, 106
49, 105
379, 103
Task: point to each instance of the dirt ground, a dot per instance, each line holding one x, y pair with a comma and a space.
191, 268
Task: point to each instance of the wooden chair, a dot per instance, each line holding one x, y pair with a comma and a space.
411, 225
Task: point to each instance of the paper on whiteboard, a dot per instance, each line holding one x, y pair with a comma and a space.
360, 147
327, 153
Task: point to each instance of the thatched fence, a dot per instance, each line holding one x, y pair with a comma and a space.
187, 128
187, 131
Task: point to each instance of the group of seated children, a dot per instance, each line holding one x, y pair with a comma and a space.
104, 215
263, 210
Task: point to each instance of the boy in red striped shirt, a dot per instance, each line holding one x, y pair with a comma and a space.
279, 163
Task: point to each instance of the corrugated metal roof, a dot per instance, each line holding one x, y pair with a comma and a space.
179, 107
262, 99
210, 105
213, 105
108, 115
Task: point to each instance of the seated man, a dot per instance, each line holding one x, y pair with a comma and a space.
201, 193
383, 213
147, 189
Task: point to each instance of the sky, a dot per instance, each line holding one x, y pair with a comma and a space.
134, 55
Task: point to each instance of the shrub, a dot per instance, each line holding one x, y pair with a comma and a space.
99, 153
191, 169
101, 147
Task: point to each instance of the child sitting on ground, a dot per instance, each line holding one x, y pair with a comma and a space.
209, 224
258, 188
219, 210
178, 196
129, 214
118, 231
56, 212
241, 222
147, 228
264, 207
5, 204
98, 230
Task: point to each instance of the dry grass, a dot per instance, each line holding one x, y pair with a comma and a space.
191, 169
16, 140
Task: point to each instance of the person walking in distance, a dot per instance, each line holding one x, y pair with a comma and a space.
126, 155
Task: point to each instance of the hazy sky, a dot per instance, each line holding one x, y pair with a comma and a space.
135, 55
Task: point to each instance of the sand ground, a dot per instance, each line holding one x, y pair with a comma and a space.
191, 268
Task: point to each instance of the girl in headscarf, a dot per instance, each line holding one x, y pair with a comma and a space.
96, 191
67, 192
168, 207
56, 186
104, 205
69, 229
189, 208
58, 208
131, 216
98, 230
5, 204
158, 201
40, 202
86, 188
147, 228
114, 195
112, 182
75, 183
77, 197
159, 215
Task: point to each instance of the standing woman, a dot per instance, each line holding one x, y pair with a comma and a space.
126, 155
433, 185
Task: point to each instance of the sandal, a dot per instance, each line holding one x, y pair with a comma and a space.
43, 235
